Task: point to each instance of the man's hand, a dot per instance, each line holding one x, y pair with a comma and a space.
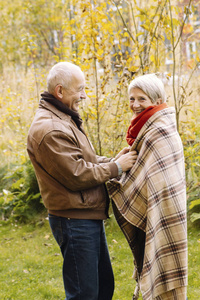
127, 160
123, 151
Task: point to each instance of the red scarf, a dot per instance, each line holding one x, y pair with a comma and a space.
140, 120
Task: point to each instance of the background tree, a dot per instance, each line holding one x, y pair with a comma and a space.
112, 42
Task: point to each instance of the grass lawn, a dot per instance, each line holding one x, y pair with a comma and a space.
31, 263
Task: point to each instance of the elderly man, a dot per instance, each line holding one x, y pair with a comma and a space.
71, 178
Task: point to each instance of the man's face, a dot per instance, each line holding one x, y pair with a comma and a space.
76, 92
138, 101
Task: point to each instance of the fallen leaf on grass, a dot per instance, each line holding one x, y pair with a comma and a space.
28, 236
47, 245
114, 241
8, 239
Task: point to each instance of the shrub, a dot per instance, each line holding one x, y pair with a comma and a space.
191, 141
20, 197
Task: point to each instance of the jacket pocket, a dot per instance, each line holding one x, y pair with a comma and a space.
95, 197
82, 198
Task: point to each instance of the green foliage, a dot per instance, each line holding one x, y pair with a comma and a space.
33, 268
191, 141
112, 42
20, 197
193, 262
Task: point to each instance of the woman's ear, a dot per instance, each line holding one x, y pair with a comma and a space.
158, 101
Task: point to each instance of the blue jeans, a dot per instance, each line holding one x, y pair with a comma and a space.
87, 270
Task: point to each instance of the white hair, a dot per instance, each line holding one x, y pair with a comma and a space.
151, 85
61, 73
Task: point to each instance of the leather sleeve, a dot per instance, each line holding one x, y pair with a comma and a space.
61, 157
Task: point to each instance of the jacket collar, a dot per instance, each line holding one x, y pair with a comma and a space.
59, 114
54, 110
46, 96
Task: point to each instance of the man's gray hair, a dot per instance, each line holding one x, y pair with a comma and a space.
61, 73
151, 85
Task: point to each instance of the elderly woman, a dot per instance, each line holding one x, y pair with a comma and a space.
149, 201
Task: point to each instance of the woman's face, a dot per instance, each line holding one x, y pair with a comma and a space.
139, 101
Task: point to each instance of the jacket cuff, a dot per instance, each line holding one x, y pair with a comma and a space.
114, 170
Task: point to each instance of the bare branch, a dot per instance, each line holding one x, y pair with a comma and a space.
182, 26
125, 25
174, 66
156, 27
47, 42
137, 40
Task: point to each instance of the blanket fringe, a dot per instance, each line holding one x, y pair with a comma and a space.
137, 288
136, 292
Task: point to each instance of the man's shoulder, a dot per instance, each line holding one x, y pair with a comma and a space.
45, 122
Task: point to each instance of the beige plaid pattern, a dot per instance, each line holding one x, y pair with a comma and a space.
152, 197
176, 294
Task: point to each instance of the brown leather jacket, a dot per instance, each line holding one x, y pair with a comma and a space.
70, 175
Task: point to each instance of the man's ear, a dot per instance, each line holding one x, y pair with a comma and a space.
158, 101
58, 92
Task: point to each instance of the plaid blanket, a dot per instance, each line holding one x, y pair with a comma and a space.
150, 206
